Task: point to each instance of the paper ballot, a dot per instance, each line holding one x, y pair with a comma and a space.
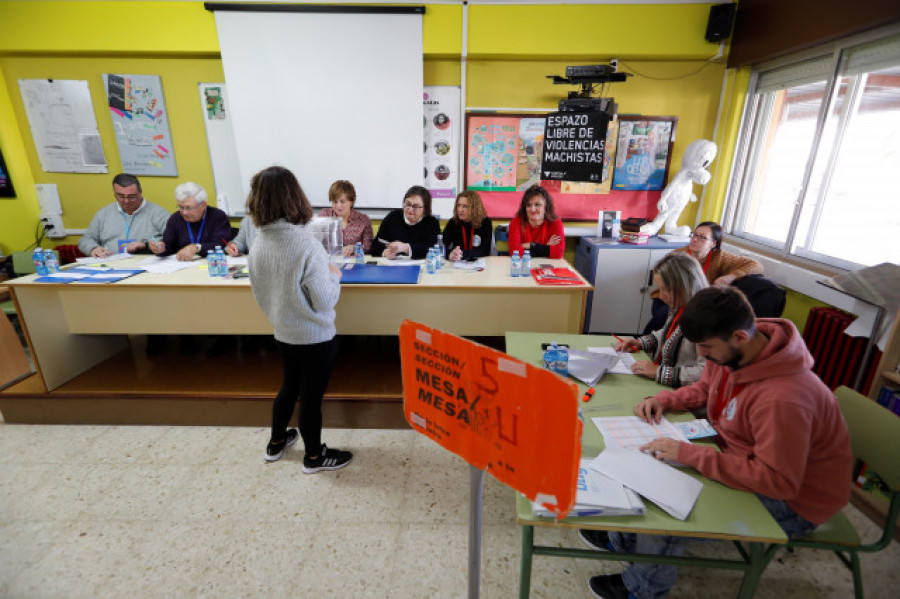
622, 365
589, 367
598, 495
673, 491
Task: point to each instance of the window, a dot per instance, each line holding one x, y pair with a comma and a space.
818, 171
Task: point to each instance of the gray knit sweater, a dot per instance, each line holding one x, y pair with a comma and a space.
292, 283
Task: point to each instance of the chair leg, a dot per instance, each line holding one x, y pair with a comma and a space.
857, 575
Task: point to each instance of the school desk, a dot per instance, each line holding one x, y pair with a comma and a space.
720, 512
73, 327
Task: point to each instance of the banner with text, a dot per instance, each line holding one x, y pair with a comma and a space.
574, 144
517, 421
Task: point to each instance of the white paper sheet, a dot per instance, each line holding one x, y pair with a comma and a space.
91, 260
624, 363
167, 264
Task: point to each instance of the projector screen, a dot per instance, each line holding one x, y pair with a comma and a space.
328, 95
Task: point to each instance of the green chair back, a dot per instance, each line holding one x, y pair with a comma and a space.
23, 264
874, 434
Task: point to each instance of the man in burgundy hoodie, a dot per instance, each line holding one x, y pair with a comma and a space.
781, 432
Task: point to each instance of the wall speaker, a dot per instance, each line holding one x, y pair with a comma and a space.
721, 18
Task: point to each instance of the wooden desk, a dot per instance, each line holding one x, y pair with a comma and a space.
720, 512
73, 327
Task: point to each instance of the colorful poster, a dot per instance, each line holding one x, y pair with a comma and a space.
61, 117
642, 156
530, 145
491, 150
141, 123
440, 107
517, 421
574, 145
215, 103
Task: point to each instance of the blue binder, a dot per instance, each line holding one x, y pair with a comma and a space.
378, 274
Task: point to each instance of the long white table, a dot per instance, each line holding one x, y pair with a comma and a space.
73, 327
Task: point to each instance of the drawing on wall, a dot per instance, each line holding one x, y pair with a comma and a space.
141, 124
215, 103
644, 149
612, 136
63, 125
503, 152
440, 107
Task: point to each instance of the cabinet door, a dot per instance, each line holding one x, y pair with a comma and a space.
619, 285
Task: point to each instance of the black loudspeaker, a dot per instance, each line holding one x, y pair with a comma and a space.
721, 18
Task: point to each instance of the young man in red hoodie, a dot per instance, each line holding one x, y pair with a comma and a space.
781, 432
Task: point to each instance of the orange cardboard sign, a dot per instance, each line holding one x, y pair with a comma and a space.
517, 421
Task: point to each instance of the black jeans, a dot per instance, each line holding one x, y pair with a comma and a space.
305, 373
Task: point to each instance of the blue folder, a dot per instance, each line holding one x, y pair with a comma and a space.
376, 273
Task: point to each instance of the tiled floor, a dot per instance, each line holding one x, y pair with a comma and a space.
109, 511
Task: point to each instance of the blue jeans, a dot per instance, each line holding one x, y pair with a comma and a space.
652, 581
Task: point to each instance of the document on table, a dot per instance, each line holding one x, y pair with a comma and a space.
673, 491
478, 264
589, 367
91, 260
236, 261
167, 264
623, 364
598, 495
630, 432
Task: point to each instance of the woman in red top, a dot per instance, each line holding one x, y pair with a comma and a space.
536, 226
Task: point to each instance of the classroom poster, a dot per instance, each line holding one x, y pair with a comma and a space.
574, 145
644, 148
517, 421
573, 187
63, 126
141, 124
491, 150
440, 107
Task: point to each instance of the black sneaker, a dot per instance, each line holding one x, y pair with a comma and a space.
595, 539
330, 459
609, 587
274, 450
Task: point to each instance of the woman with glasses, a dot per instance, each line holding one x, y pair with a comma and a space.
536, 226
409, 231
467, 235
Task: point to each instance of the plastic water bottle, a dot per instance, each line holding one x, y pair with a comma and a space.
562, 361
525, 267
430, 260
212, 263
358, 252
515, 265
222, 260
39, 266
550, 357
50, 262
442, 251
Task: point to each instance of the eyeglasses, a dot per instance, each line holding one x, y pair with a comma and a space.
416, 207
700, 237
130, 196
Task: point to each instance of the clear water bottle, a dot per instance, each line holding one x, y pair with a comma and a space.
562, 361
359, 254
430, 260
39, 266
50, 262
212, 263
515, 265
442, 251
526, 264
222, 261
550, 357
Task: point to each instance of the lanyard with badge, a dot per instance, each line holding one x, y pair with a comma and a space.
200, 232
127, 239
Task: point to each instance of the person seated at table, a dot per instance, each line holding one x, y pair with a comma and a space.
408, 231
721, 268
195, 228
536, 227
243, 241
124, 225
467, 235
675, 363
356, 226
781, 432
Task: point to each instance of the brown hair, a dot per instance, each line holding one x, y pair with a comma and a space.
477, 213
276, 194
342, 188
536, 190
682, 276
418, 190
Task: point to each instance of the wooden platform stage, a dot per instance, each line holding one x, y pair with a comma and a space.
235, 389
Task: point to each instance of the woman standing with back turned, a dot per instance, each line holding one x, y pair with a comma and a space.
297, 288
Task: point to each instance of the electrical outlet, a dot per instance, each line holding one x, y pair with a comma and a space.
53, 226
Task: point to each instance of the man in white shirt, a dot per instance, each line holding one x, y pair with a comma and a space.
127, 224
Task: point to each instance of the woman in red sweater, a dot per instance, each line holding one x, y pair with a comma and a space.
536, 226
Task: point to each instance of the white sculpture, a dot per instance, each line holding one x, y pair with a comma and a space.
680, 189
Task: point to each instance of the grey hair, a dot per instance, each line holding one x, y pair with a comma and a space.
190, 190
682, 275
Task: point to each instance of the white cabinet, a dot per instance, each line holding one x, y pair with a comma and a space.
622, 277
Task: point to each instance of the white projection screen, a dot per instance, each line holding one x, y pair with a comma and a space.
328, 95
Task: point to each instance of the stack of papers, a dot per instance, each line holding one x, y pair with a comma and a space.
673, 491
88, 275
589, 367
167, 264
598, 495
622, 365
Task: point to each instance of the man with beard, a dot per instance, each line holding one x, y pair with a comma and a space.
781, 432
